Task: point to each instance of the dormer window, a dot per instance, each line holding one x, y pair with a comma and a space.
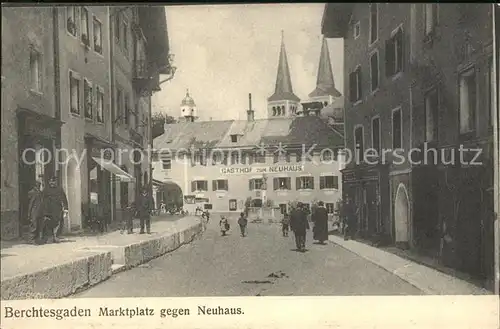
234, 138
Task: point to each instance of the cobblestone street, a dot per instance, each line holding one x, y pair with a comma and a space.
263, 263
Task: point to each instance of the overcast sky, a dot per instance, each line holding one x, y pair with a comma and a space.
224, 52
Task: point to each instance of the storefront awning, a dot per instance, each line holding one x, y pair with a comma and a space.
114, 169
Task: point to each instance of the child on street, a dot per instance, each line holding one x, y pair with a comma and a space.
285, 224
224, 225
242, 221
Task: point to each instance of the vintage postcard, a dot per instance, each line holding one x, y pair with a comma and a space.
279, 165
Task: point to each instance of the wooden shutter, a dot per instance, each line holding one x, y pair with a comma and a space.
287, 157
288, 183
352, 87
322, 182
400, 50
193, 186
359, 83
251, 184
312, 182
336, 182
226, 185
275, 183
224, 158
250, 158
389, 57
297, 183
214, 185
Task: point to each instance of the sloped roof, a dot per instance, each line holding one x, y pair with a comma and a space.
283, 89
306, 130
325, 83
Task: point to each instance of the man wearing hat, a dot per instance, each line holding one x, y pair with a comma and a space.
145, 205
320, 220
55, 204
299, 226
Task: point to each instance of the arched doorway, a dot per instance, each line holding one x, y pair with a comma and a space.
402, 215
74, 194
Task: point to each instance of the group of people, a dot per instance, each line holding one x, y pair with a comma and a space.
298, 222
242, 223
46, 211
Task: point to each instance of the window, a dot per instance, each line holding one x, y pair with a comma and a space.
71, 20
234, 138
431, 116
255, 184
99, 105
467, 101
282, 183
260, 158
199, 185
373, 23
357, 30
126, 108
97, 36
490, 82
119, 105
85, 26
355, 93
217, 158
166, 164
304, 182
117, 26
397, 134
125, 36
220, 185
235, 158
394, 53
374, 76
87, 96
329, 182
376, 134
330, 208
74, 96
431, 17
359, 148
35, 71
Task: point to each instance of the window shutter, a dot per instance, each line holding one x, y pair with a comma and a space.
399, 50
297, 183
352, 87
389, 58
250, 159
359, 83
224, 158
336, 182
288, 183
244, 159
214, 185
322, 182
275, 183
226, 185
312, 182
193, 186
205, 184
251, 185
287, 157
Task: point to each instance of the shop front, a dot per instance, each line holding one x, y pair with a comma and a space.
38, 140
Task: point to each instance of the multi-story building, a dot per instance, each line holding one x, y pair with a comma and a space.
419, 81
30, 115
60, 72
285, 157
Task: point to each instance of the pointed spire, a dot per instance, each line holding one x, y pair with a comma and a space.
325, 84
283, 89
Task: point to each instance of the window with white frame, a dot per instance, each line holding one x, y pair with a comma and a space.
468, 99
255, 184
431, 115
330, 208
394, 53
99, 105
97, 36
166, 164
357, 30
359, 148
374, 71
282, 183
373, 22
71, 14
85, 33
220, 185
35, 70
199, 185
431, 17
87, 96
329, 182
74, 95
327, 155
397, 130
304, 183
355, 92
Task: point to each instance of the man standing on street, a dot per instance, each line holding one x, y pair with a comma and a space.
320, 220
55, 203
299, 226
144, 207
34, 204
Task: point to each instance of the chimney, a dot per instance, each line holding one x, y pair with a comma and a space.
250, 112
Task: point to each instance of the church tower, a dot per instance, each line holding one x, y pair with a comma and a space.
188, 109
283, 103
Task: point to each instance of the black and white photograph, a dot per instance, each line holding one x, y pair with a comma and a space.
160, 150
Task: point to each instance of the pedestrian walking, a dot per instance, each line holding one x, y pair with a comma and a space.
320, 220
145, 206
34, 204
349, 213
54, 207
285, 223
299, 225
242, 222
224, 225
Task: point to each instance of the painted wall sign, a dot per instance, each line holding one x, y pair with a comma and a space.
263, 170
